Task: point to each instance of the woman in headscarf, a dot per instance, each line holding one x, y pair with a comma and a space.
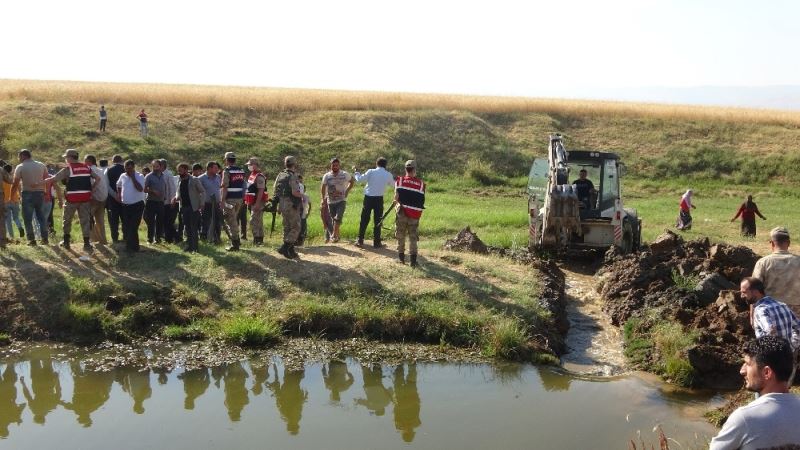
685, 214
748, 211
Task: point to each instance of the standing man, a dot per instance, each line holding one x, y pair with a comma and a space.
98, 203
113, 204
780, 271
142, 123
5, 184
130, 189
155, 187
190, 197
28, 179
233, 183
409, 193
256, 198
287, 188
336, 185
103, 118
170, 209
211, 226
767, 315
77, 196
378, 179
770, 421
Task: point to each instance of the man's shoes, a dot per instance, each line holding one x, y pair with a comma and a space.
32, 243
360, 242
335, 239
378, 244
21, 232
234, 247
87, 245
290, 251
258, 241
284, 250
65, 242
414, 260
401, 257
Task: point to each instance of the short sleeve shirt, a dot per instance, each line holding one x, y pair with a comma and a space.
31, 173
779, 272
336, 185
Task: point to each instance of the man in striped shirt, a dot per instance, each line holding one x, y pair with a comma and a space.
769, 316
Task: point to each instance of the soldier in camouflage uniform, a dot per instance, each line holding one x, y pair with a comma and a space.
287, 188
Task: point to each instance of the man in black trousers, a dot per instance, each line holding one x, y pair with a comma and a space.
113, 205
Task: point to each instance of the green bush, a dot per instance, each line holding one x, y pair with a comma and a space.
83, 320
507, 339
671, 343
250, 331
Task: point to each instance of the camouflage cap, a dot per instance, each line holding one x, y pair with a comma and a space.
70, 153
254, 161
411, 164
289, 161
230, 155
779, 233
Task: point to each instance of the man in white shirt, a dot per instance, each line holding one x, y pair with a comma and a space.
377, 179
97, 207
771, 421
130, 188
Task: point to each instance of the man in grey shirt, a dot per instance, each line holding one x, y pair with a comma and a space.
28, 179
211, 226
155, 187
771, 421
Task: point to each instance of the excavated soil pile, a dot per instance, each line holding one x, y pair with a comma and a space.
693, 283
466, 241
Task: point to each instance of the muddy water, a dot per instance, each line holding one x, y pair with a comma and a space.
50, 401
594, 345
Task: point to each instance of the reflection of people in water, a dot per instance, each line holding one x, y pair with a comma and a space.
554, 381
378, 397
289, 397
90, 391
195, 383
46, 389
137, 384
163, 374
260, 375
216, 373
10, 410
337, 379
235, 391
406, 402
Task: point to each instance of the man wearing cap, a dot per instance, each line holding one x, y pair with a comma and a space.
336, 185
409, 193
780, 270
287, 188
233, 184
255, 198
378, 179
81, 183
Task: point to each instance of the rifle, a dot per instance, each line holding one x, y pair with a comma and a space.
272, 207
386, 214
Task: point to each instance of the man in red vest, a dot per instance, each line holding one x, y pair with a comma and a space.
409, 193
81, 182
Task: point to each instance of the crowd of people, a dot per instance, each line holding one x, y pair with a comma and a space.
196, 203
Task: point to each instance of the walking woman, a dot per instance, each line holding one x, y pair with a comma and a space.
685, 214
748, 211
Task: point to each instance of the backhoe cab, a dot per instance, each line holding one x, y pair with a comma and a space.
567, 212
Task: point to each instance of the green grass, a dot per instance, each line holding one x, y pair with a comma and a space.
5, 339
249, 331
658, 346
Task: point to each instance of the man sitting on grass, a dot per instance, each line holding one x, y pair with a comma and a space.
771, 421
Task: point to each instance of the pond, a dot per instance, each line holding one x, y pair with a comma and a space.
48, 400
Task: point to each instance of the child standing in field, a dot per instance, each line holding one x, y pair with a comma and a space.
142, 123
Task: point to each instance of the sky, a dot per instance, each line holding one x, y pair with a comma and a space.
519, 48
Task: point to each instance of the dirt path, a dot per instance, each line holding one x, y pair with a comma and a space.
595, 346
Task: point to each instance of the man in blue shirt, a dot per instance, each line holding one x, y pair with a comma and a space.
378, 179
769, 316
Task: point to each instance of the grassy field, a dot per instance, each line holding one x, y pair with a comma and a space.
474, 153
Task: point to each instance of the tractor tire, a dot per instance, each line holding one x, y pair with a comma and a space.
628, 239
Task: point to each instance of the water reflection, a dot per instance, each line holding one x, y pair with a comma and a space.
459, 400
10, 410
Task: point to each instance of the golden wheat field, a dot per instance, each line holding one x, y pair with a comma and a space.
286, 99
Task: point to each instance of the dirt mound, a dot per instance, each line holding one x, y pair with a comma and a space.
468, 241
692, 283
